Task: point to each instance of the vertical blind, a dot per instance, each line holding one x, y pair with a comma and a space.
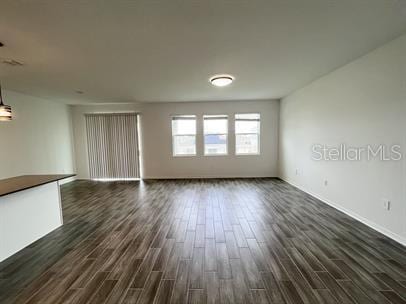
112, 141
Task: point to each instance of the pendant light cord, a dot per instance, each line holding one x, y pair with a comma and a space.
1, 97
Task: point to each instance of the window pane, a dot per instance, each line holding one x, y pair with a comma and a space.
184, 125
215, 124
248, 116
246, 126
184, 145
247, 129
246, 144
215, 144
247, 123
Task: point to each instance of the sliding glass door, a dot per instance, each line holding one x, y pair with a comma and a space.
112, 144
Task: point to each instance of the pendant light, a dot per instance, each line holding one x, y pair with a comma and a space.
5, 110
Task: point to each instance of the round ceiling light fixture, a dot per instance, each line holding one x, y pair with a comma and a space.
221, 80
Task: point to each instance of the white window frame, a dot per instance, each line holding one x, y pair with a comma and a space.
258, 134
173, 135
204, 135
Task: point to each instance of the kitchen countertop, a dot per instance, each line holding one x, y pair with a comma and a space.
24, 182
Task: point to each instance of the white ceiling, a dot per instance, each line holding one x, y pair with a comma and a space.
165, 50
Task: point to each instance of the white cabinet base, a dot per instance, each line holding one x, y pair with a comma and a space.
28, 215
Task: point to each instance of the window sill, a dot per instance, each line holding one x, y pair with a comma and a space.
184, 155
216, 155
248, 154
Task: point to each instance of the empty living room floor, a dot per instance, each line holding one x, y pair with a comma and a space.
204, 241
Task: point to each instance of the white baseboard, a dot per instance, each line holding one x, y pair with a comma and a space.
67, 180
204, 177
394, 236
191, 177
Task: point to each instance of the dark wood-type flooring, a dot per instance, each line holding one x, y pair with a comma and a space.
204, 241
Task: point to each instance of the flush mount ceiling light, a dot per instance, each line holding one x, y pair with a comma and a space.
5, 110
221, 80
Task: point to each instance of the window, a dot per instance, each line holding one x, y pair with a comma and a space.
184, 135
247, 132
215, 134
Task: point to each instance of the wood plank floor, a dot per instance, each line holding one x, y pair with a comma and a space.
204, 241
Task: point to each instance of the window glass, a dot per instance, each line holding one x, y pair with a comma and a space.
215, 134
184, 135
247, 133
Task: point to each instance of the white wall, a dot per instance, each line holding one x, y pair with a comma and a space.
157, 141
158, 161
37, 140
361, 103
